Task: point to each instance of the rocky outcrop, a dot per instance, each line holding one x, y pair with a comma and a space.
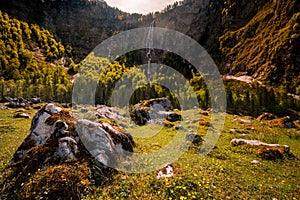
264, 150
57, 141
104, 111
153, 110
238, 142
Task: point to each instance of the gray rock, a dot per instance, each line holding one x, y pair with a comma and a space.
266, 116
104, 111
243, 121
99, 143
193, 137
3, 107
205, 113
35, 100
67, 148
40, 132
179, 127
255, 162
170, 116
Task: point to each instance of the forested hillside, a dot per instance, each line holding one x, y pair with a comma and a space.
32, 61
82, 24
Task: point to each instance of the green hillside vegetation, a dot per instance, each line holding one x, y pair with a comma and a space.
29, 62
129, 81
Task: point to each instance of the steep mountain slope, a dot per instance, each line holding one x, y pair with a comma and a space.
268, 46
258, 38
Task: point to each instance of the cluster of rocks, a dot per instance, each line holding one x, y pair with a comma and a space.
153, 110
20, 102
104, 111
57, 140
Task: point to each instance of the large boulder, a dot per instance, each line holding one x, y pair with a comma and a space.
159, 109
17, 103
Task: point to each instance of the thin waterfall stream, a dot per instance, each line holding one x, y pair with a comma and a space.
149, 45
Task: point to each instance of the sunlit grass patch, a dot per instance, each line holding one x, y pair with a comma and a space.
225, 173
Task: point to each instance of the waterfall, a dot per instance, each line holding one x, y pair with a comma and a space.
149, 46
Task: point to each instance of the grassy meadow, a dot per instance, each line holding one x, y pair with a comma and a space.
225, 173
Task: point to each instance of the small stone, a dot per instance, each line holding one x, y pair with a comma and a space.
232, 130
255, 162
167, 171
21, 115
193, 137
179, 127
243, 121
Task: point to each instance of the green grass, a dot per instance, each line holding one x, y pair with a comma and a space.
12, 133
225, 173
